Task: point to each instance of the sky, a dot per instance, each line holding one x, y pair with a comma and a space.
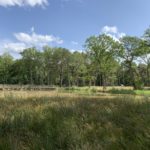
68, 23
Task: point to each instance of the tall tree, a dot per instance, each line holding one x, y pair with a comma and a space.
102, 51
131, 51
49, 64
77, 68
146, 51
6, 60
61, 63
29, 57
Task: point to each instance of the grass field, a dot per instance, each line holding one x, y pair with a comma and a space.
73, 119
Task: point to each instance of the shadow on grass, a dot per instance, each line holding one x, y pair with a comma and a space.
122, 91
66, 123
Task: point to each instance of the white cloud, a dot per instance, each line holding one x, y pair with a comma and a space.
21, 3
25, 40
76, 50
120, 35
37, 39
74, 43
80, 1
14, 47
109, 29
113, 32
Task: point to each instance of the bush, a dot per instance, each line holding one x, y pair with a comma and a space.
139, 85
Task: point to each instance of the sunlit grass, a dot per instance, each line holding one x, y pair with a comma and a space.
143, 92
72, 121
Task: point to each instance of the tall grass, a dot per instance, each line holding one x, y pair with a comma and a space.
51, 123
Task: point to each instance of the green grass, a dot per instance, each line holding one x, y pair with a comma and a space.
122, 91
143, 92
111, 90
74, 123
131, 92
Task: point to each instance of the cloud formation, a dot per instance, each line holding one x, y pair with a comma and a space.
113, 32
74, 43
25, 40
14, 47
36, 39
80, 1
109, 29
21, 3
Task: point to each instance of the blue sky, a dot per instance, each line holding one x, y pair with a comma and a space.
67, 23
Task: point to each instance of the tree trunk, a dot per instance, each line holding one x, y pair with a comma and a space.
132, 77
61, 80
148, 76
104, 82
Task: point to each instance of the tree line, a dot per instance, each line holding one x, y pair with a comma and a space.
104, 62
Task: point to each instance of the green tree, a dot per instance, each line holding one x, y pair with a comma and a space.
49, 68
145, 53
6, 61
102, 51
132, 50
31, 64
61, 64
77, 68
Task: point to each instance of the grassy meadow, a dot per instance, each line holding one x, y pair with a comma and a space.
75, 119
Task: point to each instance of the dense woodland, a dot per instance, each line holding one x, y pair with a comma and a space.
103, 62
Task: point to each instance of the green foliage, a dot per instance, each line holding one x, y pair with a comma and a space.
102, 51
139, 84
6, 61
132, 50
131, 47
